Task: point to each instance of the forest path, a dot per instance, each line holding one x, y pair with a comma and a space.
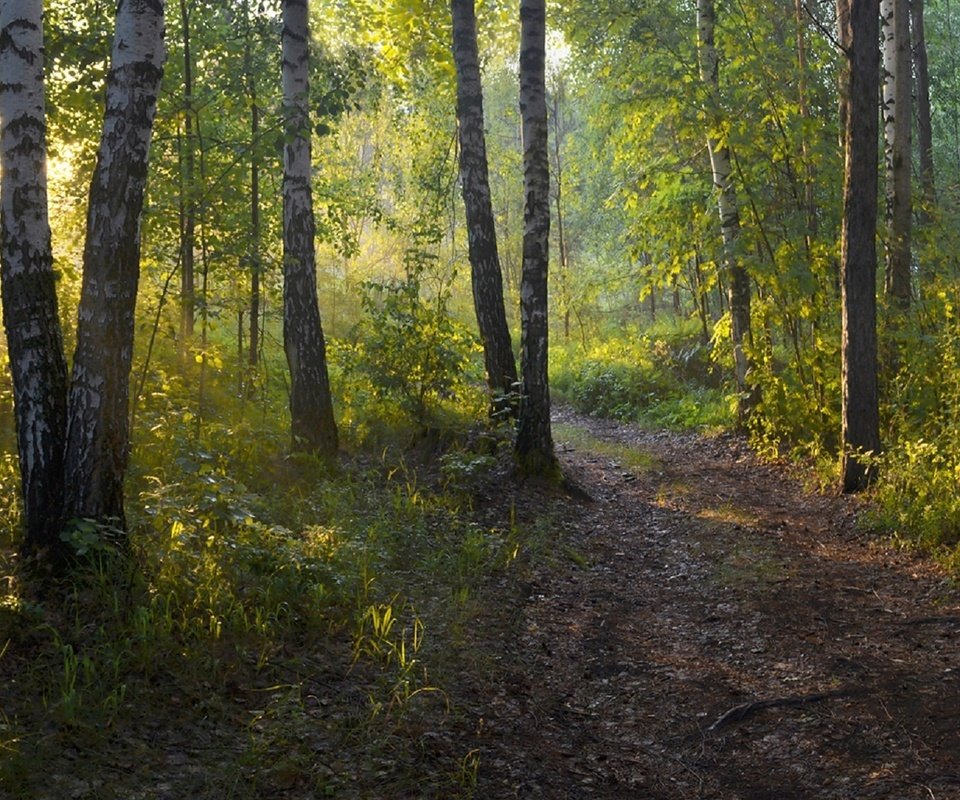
713, 630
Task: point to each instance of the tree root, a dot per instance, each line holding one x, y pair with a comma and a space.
745, 710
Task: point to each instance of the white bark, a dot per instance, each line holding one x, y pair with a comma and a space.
311, 406
897, 93
97, 432
29, 295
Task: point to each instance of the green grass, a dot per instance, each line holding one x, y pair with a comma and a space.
628, 456
661, 377
281, 626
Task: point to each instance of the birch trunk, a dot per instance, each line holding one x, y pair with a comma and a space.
32, 324
534, 444
737, 280
98, 428
897, 118
311, 406
859, 31
487, 277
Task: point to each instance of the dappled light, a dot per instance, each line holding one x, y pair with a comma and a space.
479, 400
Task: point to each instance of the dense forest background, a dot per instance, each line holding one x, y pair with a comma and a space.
241, 535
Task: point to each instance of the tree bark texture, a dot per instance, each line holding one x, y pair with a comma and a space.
738, 282
311, 405
859, 31
31, 321
534, 444
924, 125
487, 277
98, 427
256, 265
897, 119
188, 191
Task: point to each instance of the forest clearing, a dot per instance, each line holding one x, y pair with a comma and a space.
479, 399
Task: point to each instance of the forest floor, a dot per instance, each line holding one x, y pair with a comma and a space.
716, 631
700, 626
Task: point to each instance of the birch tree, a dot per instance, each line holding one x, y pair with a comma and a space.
32, 324
736, 279
97, 446
534, 445
487, 278
859, 22
311, 406
897, 118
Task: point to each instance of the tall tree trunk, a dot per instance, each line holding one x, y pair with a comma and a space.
98, 428
809, 170
738, 282
897, 119
859, 31
311, 406
924, 125
255, 257
534, 444
188, 199
31, 321
558, 135
486, 274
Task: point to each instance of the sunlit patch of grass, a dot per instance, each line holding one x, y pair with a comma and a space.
731, 515
670, 494
749, 562
628, 456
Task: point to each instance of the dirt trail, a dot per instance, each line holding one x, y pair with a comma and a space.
712, 630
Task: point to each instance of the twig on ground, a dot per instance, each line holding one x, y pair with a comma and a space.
745, 710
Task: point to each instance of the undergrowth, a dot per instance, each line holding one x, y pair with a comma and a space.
660, 377
280, 625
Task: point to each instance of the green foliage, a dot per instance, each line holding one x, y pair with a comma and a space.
247, 568
408, 349
663, 376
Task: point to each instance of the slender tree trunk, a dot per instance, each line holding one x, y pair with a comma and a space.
924, 125
31, 321
809, 170
738, 282
256, 265
487, 276
311, 405
558, 135
98, 427
897, 119
188, 200
859, 32
534, 444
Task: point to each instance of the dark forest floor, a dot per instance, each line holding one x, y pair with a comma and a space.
702, 627
717, 631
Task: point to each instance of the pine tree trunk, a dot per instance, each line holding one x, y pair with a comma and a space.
311, 405
897, 119
31, 321
859, 31
738, 282
98, 427
924, 125
534, 444
486, 274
